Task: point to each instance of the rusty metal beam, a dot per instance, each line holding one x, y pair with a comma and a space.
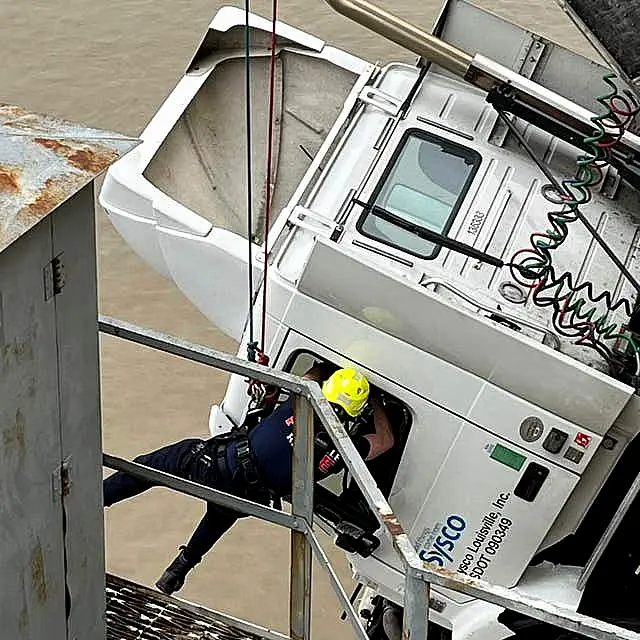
507, 598
43, 162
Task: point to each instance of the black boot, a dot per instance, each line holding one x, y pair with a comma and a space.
174, 575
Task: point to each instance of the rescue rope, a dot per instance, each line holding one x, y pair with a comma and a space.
252, 344
267, 223
261, 394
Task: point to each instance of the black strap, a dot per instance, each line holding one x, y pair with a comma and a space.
220, 453
245, 479
214, 455
245, 462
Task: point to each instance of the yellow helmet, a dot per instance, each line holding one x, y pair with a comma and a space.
348, 389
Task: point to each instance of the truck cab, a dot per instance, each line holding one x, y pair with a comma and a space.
507, 430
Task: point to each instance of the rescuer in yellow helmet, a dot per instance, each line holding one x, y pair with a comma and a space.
256, 464
347, 389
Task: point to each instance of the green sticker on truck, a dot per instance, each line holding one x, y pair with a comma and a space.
507, 456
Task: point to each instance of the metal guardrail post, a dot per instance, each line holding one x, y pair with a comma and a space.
415, 622
349, 608
302, 508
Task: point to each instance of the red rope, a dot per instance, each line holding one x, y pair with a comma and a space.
267, 223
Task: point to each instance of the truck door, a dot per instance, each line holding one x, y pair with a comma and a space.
338, 498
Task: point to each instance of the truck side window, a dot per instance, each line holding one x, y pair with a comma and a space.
383, 468
424, 185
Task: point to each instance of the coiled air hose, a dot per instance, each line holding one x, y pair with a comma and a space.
578, 311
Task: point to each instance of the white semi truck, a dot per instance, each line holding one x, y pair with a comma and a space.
465, 231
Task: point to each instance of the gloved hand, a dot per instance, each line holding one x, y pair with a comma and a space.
174, 575
353, 539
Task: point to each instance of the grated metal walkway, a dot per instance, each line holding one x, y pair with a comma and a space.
135, 612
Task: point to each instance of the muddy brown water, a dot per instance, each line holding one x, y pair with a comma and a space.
110, 65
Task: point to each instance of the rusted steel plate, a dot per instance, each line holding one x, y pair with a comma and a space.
43, 162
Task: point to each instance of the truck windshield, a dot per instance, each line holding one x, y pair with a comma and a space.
425, 185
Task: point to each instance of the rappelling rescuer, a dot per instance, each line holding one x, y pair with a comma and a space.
256, 465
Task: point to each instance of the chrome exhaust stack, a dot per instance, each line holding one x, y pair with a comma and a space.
507, 90
405, 34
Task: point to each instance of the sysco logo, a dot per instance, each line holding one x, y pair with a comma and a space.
444, 544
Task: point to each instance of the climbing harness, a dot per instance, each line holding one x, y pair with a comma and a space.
244, 480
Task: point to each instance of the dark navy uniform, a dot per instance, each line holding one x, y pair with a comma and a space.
271, 442
187, 459
208, 463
